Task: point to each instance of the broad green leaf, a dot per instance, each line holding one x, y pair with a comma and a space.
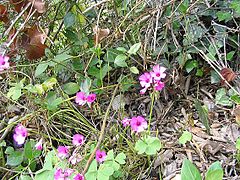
154, 145
15, 158
49, 83
235, 98
69, 20
185, 137
40, 69
120, 158
46, 174
184, 6
199, 72
71, 88
62, 57
92, 171
120, 60
215, 78
14, 93
134, 70
230, 55
203, 114
224, 16
25, 177
189, 171
235, 5
222, 98
9, 150
238, 144
28, 153
190, 65
134, 48
122, 49
110, 155
85, 85
140, 146
215, 172
105, 170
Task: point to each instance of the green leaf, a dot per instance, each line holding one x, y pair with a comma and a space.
238, 144
203, 114
184, 6
71, 88
69, 20
185, 137
134, 70
140, 146
120, 60
134, 48
215, 78
15, 158
85, 85
110, 155
224, 16
49, 83
25, 177
9, 150
215, 172
62, 57
235, 5
189, 171
92, 171
46, 174
190, 65
28, 153
235, 98
105, 170
40, 69
120, 158
149, 145
222, 98
199, 72
230, 55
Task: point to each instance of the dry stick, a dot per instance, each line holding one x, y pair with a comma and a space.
101, 133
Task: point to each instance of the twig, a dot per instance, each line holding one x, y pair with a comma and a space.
101, 133
16, 19
97, 4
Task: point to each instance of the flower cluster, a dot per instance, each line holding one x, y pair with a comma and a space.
20, 134
4, 64
82, 98
138, 123
100, 156
61, 174
153, 79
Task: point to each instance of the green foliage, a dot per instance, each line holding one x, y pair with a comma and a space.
189, 171
185, 137
215, 172
110, 167
222, 98
203, 114
238, 144
149, 145
71, 88
134, 48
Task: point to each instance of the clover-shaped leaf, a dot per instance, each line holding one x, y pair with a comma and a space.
149, 145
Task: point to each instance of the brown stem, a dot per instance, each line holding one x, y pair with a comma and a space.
101, 133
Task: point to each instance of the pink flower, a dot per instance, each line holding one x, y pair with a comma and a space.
78, 177
145, 80
59, 174
142, 91
78, 140
20, 134
68, 172
126, 122
39, 146
75, 158
100, 156
159, 85
80, 98
138, 124
91, 98
63, 152
158, 72
4, 64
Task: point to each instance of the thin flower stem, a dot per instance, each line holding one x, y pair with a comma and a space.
150, 114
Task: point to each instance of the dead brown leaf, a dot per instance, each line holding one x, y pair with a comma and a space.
3, 14
39, 5
228, 74
100, 34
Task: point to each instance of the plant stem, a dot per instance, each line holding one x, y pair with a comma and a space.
150, 114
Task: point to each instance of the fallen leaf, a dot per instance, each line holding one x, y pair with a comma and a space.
3, 14
228, 74
18, 4
35, 51
100, 34
39, 5
236, 113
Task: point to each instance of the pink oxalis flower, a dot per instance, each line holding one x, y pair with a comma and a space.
80, 98
126, 122
78, 140
78, 177
153, 79
20, 134
158, 72
39, 146
61, 174
100, 156
63, 152
91, 98
4, 64
138, 124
